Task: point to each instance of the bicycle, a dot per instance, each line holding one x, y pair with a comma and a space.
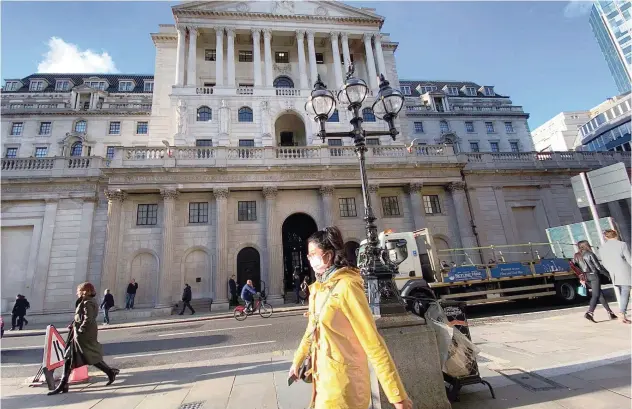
265, 310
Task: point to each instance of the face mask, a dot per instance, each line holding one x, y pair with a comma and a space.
318, 265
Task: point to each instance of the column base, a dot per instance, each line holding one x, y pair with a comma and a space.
418, 367
275, 300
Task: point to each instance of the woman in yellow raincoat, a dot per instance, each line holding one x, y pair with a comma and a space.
345, 334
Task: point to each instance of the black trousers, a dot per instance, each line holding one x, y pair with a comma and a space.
186, 304
594, 282
17, 321
233, 299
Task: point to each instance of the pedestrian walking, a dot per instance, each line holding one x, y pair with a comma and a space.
297, 282
232, 286
342, 342
186, 299
615, 257
108, 302
132, 287
82, 345
591, 266
19, 311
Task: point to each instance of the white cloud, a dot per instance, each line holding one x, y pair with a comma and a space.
66, 57
577, 8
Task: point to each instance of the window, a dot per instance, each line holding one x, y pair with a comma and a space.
148, 86
509, 127
45, 128
453, 90
37, 85
443, 125
489, 91
62, 85
469, 127
431, 204
514, 146
11, 153
12, 86
347, 207
419, 127
334, 142
373, 141
494, 146
474, 147
320, 58
209, 55
142, 128
368, 115
115, 128
283, 82
428, 88
204, 114
334, 117
204, 142
405, 89
16, 128
126, 86
198, 212
471, 91
147, 215
245, 56
247, 143
247, 211
390, 206
282, 57
76, 149
41, 152
100, 85
109, 153
81, 126
244, 114
490, 127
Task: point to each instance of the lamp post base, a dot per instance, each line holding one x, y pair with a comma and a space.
414, 349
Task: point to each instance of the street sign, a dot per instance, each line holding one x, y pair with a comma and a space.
580, 193
54, 347
609, 183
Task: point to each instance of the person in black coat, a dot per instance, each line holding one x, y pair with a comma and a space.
232, 286
186, 299
132, 287
591, 266
108, 302
19, 311
297, 283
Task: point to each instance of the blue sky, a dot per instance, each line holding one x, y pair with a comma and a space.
542, 54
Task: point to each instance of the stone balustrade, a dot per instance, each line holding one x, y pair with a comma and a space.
83, 166
503, 109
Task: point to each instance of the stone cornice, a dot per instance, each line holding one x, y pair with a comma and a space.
271, 17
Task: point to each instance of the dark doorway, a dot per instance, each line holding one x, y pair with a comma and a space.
350, 251
296, 230
287, 138
248, 267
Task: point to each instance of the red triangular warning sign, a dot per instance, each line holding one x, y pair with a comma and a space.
54, 347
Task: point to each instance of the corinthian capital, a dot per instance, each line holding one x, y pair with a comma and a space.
334, 35
455, 186
310, 35
116, 195
219, 30
326, 190
169, 194
367, 37
344, 36
256, 32
267, 33
230, 32
415, 187
220, 193
270, 192
377, 37
374, 188
300, 35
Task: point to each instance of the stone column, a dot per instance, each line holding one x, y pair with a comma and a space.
165, 289
219, 56
38, 293
345, 50
380, 54
327, 194
113, 229
256, 55
85, 236
192, 63
417, 205
311, 51
179, 81
221, 245
337, 63
300, 43
549, 205
267, 51
370, 61
230, 56
463, 215
274, 245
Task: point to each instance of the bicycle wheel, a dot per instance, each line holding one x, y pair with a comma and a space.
265, 310
240, 315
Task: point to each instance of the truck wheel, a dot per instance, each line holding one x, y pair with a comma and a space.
566, 291
419, 307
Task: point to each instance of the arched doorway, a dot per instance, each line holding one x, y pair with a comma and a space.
289, 130
144, 269
249, 267
296, 230
350, 251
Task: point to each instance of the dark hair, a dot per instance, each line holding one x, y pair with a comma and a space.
87, 288
584, 245
330, 239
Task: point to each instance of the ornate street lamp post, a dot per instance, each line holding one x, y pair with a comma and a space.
375, 264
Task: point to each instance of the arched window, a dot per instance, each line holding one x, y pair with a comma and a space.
334, 117
81, 126
204, 114
367, 115
76, 149
444, 126
245, 114
283, 82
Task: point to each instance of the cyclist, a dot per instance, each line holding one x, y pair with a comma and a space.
246, 294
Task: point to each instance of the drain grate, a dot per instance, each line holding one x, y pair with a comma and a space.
192, 405
529, 380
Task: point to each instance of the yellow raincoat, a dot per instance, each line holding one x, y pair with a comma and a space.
346, 336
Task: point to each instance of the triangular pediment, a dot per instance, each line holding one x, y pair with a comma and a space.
317, 9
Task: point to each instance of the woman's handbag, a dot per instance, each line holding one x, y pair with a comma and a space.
581, 290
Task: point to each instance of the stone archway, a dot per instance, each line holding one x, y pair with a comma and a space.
289, 130
350, 251
249, 267
195, 272
295, 231
144, 269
